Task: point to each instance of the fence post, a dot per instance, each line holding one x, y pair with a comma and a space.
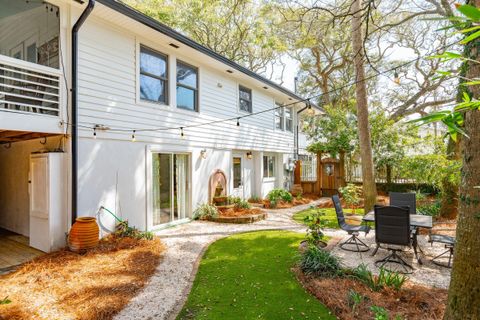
297, 172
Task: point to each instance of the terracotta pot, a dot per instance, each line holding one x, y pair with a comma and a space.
83, 234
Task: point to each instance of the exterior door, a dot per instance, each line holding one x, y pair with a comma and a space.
238, 176
170, 186
39, 202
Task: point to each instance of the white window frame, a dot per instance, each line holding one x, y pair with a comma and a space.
282, 117
274, 174
238, 99
286, 119
167, 78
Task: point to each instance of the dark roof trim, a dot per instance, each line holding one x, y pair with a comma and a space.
160, 27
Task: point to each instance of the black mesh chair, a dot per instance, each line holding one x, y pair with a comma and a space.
392, 228
404, 199
353, 243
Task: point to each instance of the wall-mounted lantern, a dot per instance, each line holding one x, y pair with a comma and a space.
249, 155
203, 154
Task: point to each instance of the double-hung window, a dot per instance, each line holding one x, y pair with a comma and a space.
245, 99
289, 119
153, 76
268, 166
187, 86
279, 112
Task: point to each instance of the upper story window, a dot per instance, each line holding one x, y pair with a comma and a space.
289, 119
153, 76
245, 99
279, 117
268, 166
187, 86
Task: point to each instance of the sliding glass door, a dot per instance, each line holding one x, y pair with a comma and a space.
170, 178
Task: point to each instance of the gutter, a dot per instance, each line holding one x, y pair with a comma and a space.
75, 29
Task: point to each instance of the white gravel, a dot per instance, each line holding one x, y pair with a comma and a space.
167, 290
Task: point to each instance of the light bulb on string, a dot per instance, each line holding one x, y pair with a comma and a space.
133, 136
310, 110
182, 135
396, 77
238, 122
94, 133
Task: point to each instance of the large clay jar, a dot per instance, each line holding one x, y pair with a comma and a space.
83, 234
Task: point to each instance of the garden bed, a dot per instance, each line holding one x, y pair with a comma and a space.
94, 285
410, 302
237, 215
296, 201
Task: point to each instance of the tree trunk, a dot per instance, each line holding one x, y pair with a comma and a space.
449, 203
368, 177
341, 169
464, 292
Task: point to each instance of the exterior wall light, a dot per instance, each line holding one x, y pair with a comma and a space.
249, 155
203, 154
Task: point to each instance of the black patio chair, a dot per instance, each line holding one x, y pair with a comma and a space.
353, 230
404, 199
392, 228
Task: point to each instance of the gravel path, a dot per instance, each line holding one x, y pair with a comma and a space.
168, 288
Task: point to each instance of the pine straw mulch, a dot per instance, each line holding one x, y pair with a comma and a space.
94, 285
233, 212
411, 302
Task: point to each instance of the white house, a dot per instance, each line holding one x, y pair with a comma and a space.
126, 84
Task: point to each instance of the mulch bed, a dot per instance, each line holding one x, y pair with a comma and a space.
233, 212
94, 285
411, 302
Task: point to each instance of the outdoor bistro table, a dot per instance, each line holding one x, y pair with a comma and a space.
416, 221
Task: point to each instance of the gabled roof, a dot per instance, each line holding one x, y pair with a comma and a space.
162, 28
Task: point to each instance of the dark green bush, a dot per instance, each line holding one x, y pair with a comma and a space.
319, 262
430, 209
385, 278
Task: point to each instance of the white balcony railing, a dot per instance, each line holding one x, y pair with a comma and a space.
29, 88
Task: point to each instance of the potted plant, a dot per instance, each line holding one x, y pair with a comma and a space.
315, 224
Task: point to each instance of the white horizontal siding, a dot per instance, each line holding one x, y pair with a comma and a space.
107, 96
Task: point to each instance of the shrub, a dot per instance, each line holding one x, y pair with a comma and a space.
430, 209
379, 313
319, 262
122, 229
315, 223
351, 195
385, 278
205, 210
354, 299
279, 194
242, 204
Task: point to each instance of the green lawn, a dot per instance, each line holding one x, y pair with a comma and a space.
330, 216
248, 276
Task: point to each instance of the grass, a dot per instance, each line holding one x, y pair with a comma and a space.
248, 276
330, 216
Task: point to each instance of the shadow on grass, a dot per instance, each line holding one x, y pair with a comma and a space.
249, 276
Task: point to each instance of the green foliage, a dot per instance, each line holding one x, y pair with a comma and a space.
354, 299
351, 194
430, 169
319, 262
5, 301
384, 279
242, 204
430, 209
329, 217
255, 199
248, 276
453, 119
315, 223
279, 194
122, 229
379, 313
205, 210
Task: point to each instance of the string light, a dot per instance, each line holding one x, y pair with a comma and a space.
306, 100
133, 136
94, 132
238, 122
396, 78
